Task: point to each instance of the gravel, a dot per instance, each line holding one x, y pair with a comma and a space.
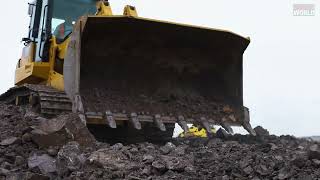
77, 155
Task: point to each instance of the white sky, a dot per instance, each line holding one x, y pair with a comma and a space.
281, 74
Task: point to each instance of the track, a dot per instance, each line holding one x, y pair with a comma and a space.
46, 100
51, 102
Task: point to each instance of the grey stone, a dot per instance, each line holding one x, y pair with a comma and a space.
69, 158
300, 159
150, 147
225, 177
174, 163
45, 163
316, 162
110, 159
180, 150
284, 173
6, 165
314, 152
304, 176
61, 130
279, 158
15, 176
260, 131
50, 134
255, 178
10, 141
190, 169
262, 170
167, 148
273, 146
19, 160
214, 142
26, 137
159, 165
30, 115
117, 146
52, 152
4, 171
147, 170
11, 156
148, 159
27, 176
248, 170
134, 150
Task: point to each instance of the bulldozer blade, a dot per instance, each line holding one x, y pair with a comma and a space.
159, 123
227, 127
83, 118
206, 125
110, 120
139, 65
183, 124
246, 122
134, 121
248, 127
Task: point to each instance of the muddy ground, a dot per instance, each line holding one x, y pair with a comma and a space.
36, 148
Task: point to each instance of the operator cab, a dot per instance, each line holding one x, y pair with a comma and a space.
54, 18
66, 13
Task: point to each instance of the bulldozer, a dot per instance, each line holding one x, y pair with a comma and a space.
126, 75
195, 131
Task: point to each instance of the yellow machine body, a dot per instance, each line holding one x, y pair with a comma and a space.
194, 131
29, 71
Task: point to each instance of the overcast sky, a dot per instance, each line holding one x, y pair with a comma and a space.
281, 74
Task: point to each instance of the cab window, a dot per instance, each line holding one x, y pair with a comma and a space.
66, 13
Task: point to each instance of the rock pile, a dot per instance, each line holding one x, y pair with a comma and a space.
36, 148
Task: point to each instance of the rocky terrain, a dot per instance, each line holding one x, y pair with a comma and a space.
36, 148
315, 138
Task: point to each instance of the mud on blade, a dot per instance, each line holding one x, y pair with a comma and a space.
127, 65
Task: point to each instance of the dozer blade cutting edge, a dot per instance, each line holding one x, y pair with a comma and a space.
122, 69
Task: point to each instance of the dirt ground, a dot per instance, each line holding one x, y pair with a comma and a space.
36, 148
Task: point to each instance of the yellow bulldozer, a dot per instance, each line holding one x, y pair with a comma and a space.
195, 131
126, 75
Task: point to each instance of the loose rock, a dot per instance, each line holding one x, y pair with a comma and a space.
167, 148
314, 152
19, 160
4, 172
70, 158
77, 156
45, 163
26, 137
260, 131
158, 165
10, 141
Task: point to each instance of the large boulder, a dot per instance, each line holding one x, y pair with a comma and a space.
51, 132
61, 130
79, 130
